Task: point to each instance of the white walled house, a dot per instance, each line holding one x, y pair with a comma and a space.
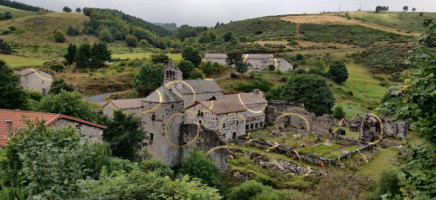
36, 80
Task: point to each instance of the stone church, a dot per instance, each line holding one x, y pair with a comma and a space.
186, 113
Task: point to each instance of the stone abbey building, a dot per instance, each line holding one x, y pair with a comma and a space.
185, 113
256, 61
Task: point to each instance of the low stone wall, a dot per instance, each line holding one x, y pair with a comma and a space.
307, 158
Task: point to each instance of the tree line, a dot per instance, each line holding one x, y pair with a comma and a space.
18, 5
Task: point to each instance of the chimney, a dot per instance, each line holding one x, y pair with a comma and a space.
9, 128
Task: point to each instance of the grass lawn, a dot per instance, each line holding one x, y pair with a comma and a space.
175, 57
16, 13
17, 61
349, 134
382, 161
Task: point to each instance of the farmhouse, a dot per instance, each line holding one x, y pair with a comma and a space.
257, 61
36, 80
13, 120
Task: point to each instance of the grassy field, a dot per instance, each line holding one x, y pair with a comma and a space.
383, 160
147, 55
15, 12
18, 61
411, 22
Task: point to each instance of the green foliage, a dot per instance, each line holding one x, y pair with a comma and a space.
388, 185
5, 48
338, 72
71, 54
340, 186
124, 135
300, 70
233, 75
148, 79
12, 95
252, 190
386, 58
352, 35
338, 112
191, 54
92, 57
66, 9
131, 40
58, 85
309, 89
228, 36
78, 10
73, 31
314, 70
18, 5
68, 103
156, 166
186, 31
197, 74
139, 184
196, 164
187, 68
59, 36
159, 58
106, 36
257, 83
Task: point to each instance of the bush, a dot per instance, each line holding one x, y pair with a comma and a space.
58, 85
131, 40
12, 28
187, 68
338, 112
197, 165
247, 190
261, 84
73, 31
263, 179
197, 74
388, 186
284, 79
338, 72
313, 70
300, 71
159, 58
233, 75
192, 54
106, 36
5, 48
59, 36
6, 32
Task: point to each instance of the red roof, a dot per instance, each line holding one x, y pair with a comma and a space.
17, 116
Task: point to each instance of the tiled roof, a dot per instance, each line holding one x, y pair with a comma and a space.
230, 103
126, 103
17, 116
215, 56
166, 94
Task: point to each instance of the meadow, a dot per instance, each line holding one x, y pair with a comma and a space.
18, 61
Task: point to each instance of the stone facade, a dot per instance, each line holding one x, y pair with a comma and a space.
35, 80
87, 132
257, 61
128, 106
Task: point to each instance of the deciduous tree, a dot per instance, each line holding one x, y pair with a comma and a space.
192, 54
186, 67
338, 72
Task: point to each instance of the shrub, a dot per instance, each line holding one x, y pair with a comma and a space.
284, 79
59, 36
197, 165
261, 84
388, 185
6, 32
106, 36
300, 71
12, 28
263, 179
131, 40
73, 31
197, 74
247, 190
313, 70
5, 48
187, 68
338, 72
233, 75
338, 112
159, 58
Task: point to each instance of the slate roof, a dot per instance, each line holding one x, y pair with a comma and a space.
167, 96
25, 72
215, 56
123, 104
16, 116
257, 56
199, 86
230, 103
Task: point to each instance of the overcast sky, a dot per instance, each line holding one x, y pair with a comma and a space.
208, 12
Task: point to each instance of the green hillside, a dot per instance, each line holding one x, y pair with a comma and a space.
15, 12
410, 21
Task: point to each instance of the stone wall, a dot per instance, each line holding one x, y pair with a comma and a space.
87, 132
35, 83
395, 129
206, 140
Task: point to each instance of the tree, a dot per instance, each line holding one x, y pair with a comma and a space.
71, 54
83, 55
312, 90
192, 54
186, 67
338, 112
197, 165
124, 135
78, 10
241, 67
99, 55
380, 9
67, 9
131, 40
338, 72
73, 31
68, 103
5, 48
106, 36
388, 184
7, 15
12, 96
159, 58
148, 79
228, 36
405, 8
413, 9
197, 74
58, 85
59, 36
234, 57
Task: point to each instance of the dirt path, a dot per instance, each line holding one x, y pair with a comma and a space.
336, 20
297, 30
